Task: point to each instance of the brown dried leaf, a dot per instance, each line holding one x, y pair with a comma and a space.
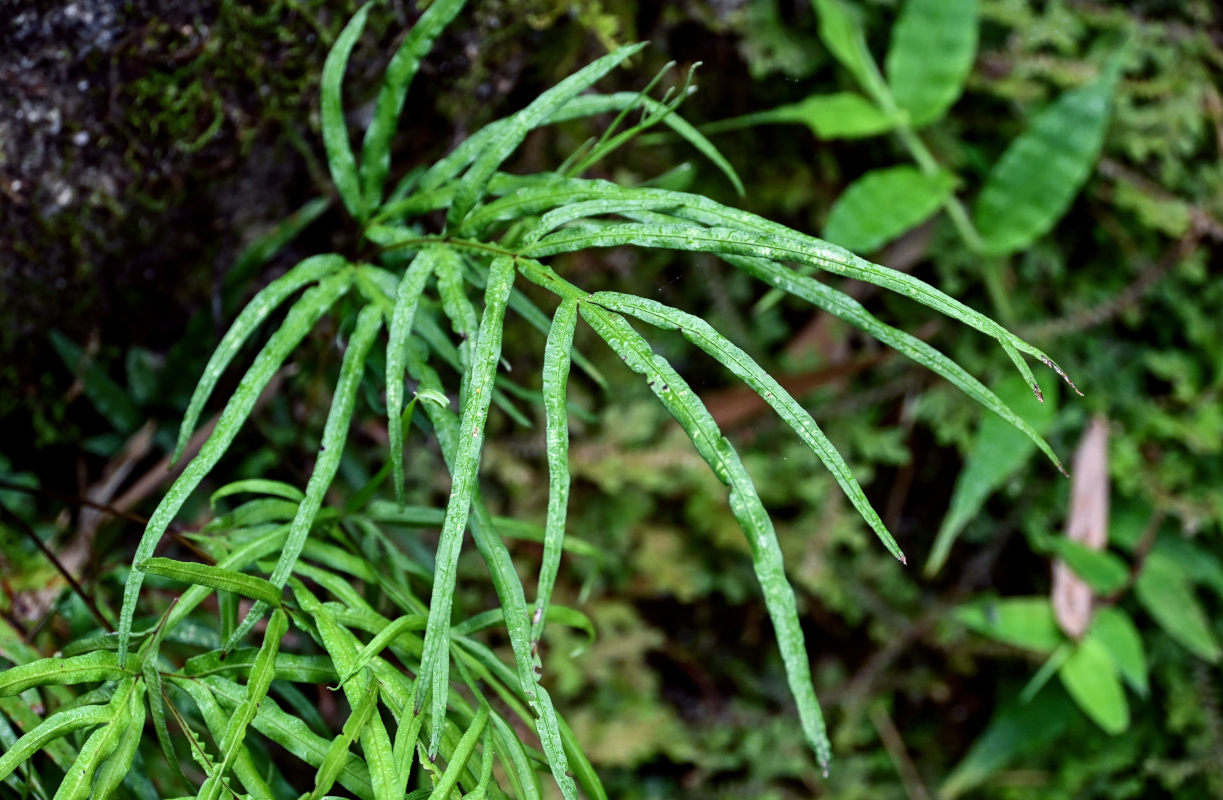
1087, 524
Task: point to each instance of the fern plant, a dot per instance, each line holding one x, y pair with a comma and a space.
425, 695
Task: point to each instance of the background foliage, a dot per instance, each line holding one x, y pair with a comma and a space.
921, 675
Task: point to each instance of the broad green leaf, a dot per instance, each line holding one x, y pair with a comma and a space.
225, 580
410, 288
435, 663
932, 50
110, 400
1165, 591
1105, 572
745, 505
376, 148
335, 435
838, 115
1119, 637
1017, 728
265, 301
841, 32
52, 728
101, 665
884, 203
998, 452
340, 158
556, 446
472, 186
300, 319
1026, 622
703, 335
1091, 679
1200, 564
1040, 173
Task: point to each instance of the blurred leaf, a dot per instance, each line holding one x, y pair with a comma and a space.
1090, 677
839, 115
1165, 591
1116, 633
1015, 729
1038, 176
841, 31
933, 46
998, 451
1105, 572
1022, 621
107, 397
882, 204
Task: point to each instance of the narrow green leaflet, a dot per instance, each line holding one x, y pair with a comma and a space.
884, 203
704, 336
301, 318
337, 754
998, 452
473, 183
265, 301
50, 729
286, 730
257, 486
745, 505
556, 439
342, 646
99, 745
101, 665
933, 46
1026, 622
435, 663
759, 238
262, 672
399, 626
335, 434
1117, 634
1091, 679
376, 149
226, 580
554, 735
1040, 173
406, 299
130, 730
462, 753
340, 158
1165, 591
844, 307
217, 722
